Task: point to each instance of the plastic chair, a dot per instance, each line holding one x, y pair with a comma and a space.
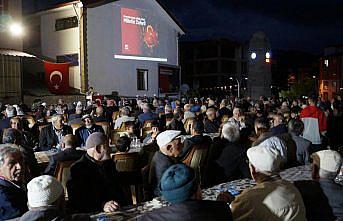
197, 159
127, 165
62, 173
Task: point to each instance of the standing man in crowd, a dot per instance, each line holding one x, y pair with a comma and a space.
314, 124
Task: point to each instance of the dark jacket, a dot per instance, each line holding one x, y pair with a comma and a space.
303, 149
51, 214
189, 143
159, 164
199, 210
65, 155
279, 129
231, 163
211, 126
334, 193
48, 138
315, 201
147, 116
82, 133
13, 200
91, 185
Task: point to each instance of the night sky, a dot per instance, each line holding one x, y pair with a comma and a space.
308, 25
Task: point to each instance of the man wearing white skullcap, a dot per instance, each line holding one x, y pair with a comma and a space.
272, 198
46, 200
323, 197
170, 147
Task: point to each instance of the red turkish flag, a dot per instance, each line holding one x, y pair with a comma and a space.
57, 77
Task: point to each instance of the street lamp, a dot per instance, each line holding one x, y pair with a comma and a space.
238, 88
16, 29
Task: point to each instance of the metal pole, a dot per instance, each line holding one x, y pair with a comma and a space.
238, 88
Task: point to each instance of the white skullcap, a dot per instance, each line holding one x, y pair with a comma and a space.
188, 114
265, 159
328, 160
166, 137
43, 191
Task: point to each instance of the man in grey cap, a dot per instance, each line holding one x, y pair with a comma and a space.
170, 148
93, 185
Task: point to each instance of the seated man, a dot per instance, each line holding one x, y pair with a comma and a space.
13, 136
278, 125
272, 198
12, 197
99, 115
124, 117
68, 153
147, 114
323, 197
51, 136
123, 144
151, 137
211, 123
88, 128
197, 130
93, 185
170, 147
46, 201
295, 129
180, 188
232, 162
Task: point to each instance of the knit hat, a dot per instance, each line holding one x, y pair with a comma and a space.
178, 183
95, 139
166, 137
43, 191
328, 160
265, 159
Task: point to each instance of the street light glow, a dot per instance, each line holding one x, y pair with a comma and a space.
267, 55
253, 55
16, 29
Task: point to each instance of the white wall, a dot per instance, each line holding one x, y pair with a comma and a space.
6, 39
62, 42
107, 74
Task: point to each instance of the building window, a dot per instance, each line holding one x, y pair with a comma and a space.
326, 63
66, 23
325, 85
334, 85
142, 80
72, 58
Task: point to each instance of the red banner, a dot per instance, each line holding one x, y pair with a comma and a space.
57, 77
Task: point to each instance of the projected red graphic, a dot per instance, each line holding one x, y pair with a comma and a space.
138, 36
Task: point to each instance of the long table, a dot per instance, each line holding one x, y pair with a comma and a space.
129, 213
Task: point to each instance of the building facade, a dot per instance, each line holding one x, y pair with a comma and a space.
11, 55
331, 72
209, 64
125, 47
259, 74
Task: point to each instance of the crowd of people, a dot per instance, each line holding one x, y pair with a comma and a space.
242, 138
